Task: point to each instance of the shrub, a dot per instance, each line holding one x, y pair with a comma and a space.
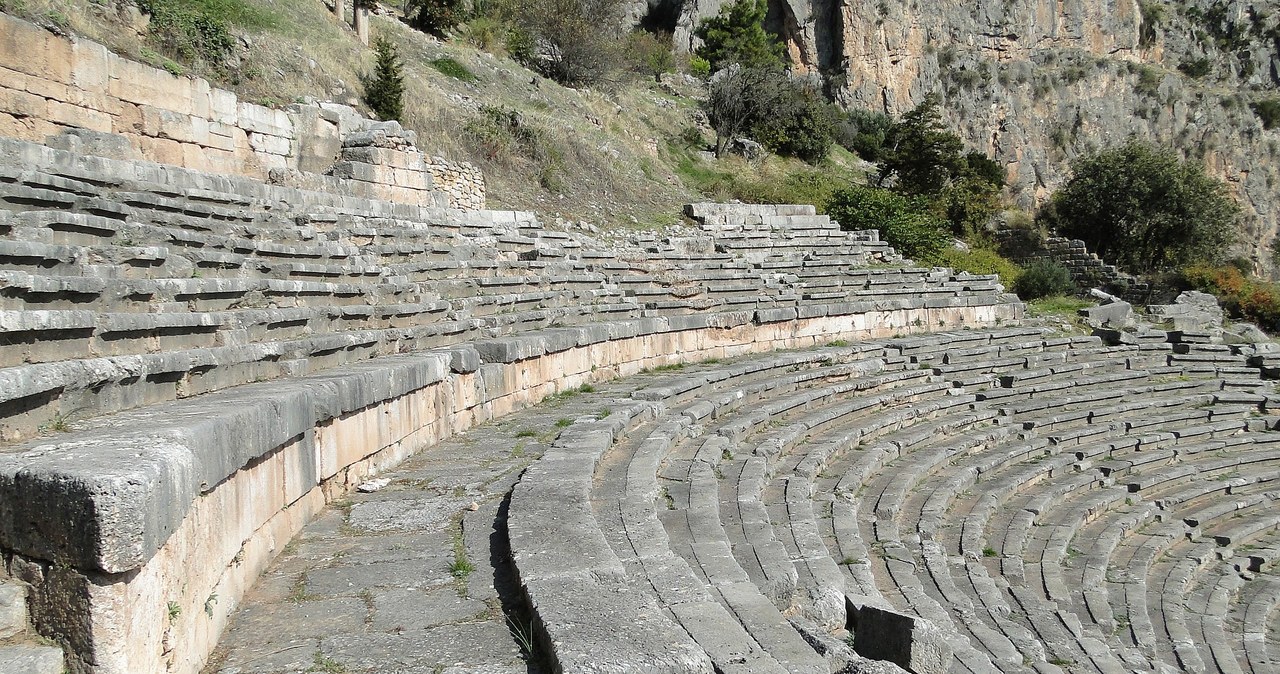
1242, 295
863, 132
1268, 111
384, 87
1043, 278
1142, 208
919, 153
800, 125
788, 116
1196, 68
918, 235
574, 42
699, 67
737, 35
200, 29
650, 54
434, 16
906, 224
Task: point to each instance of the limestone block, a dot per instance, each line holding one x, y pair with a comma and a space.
35, 51
49, 89
911, 642
161, 150
144, 85
23, 104
318, 137
411, 179
193, 157
13, 609
90, 67
76, 116
12, 79
221, 137
269, 144
258, 119
223, 107
201, 98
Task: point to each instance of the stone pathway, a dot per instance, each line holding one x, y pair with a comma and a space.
414, 578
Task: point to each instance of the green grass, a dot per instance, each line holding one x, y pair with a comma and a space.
564, 422
1057, 305
527, 433
988, 552
453, 69
323, 664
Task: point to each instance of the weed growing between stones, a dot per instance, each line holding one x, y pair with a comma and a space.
523, 633
298, 591
564, 422
323, 664
460, 567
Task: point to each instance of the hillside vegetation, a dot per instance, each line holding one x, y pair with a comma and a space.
625, 155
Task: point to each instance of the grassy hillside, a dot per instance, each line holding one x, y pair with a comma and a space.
626, 156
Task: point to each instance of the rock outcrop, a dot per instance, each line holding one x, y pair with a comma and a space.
1036, 83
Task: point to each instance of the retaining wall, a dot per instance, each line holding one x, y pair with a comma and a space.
77, 95
142, 533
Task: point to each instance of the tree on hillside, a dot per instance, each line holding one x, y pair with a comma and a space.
737, 35
574, 42
384, 87
435, 16
919, 153
1142, 208
785, 114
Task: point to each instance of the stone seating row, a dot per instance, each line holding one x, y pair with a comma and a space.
747, 483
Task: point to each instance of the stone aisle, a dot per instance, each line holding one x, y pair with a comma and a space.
377, 583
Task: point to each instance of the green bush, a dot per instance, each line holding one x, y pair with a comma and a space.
1044, 278
863, 132
434, 16
1196, 68
1142, 208
786, 115
200, 29
384, 87
906, 224
577, 43
800, 124
1268, 111
699, 67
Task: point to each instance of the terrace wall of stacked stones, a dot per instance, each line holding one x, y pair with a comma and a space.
77, 95
194, 363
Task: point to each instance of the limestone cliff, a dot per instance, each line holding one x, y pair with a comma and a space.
1037, 82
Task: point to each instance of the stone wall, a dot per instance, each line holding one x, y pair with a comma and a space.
1087, 269
77, 95
462, 183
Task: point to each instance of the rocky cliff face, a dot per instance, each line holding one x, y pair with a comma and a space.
1035, 83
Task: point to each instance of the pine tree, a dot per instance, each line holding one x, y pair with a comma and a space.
384, 89
737, 35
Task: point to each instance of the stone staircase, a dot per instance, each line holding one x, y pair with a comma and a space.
21, 651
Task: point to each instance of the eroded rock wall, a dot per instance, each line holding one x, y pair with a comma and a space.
1036, 83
